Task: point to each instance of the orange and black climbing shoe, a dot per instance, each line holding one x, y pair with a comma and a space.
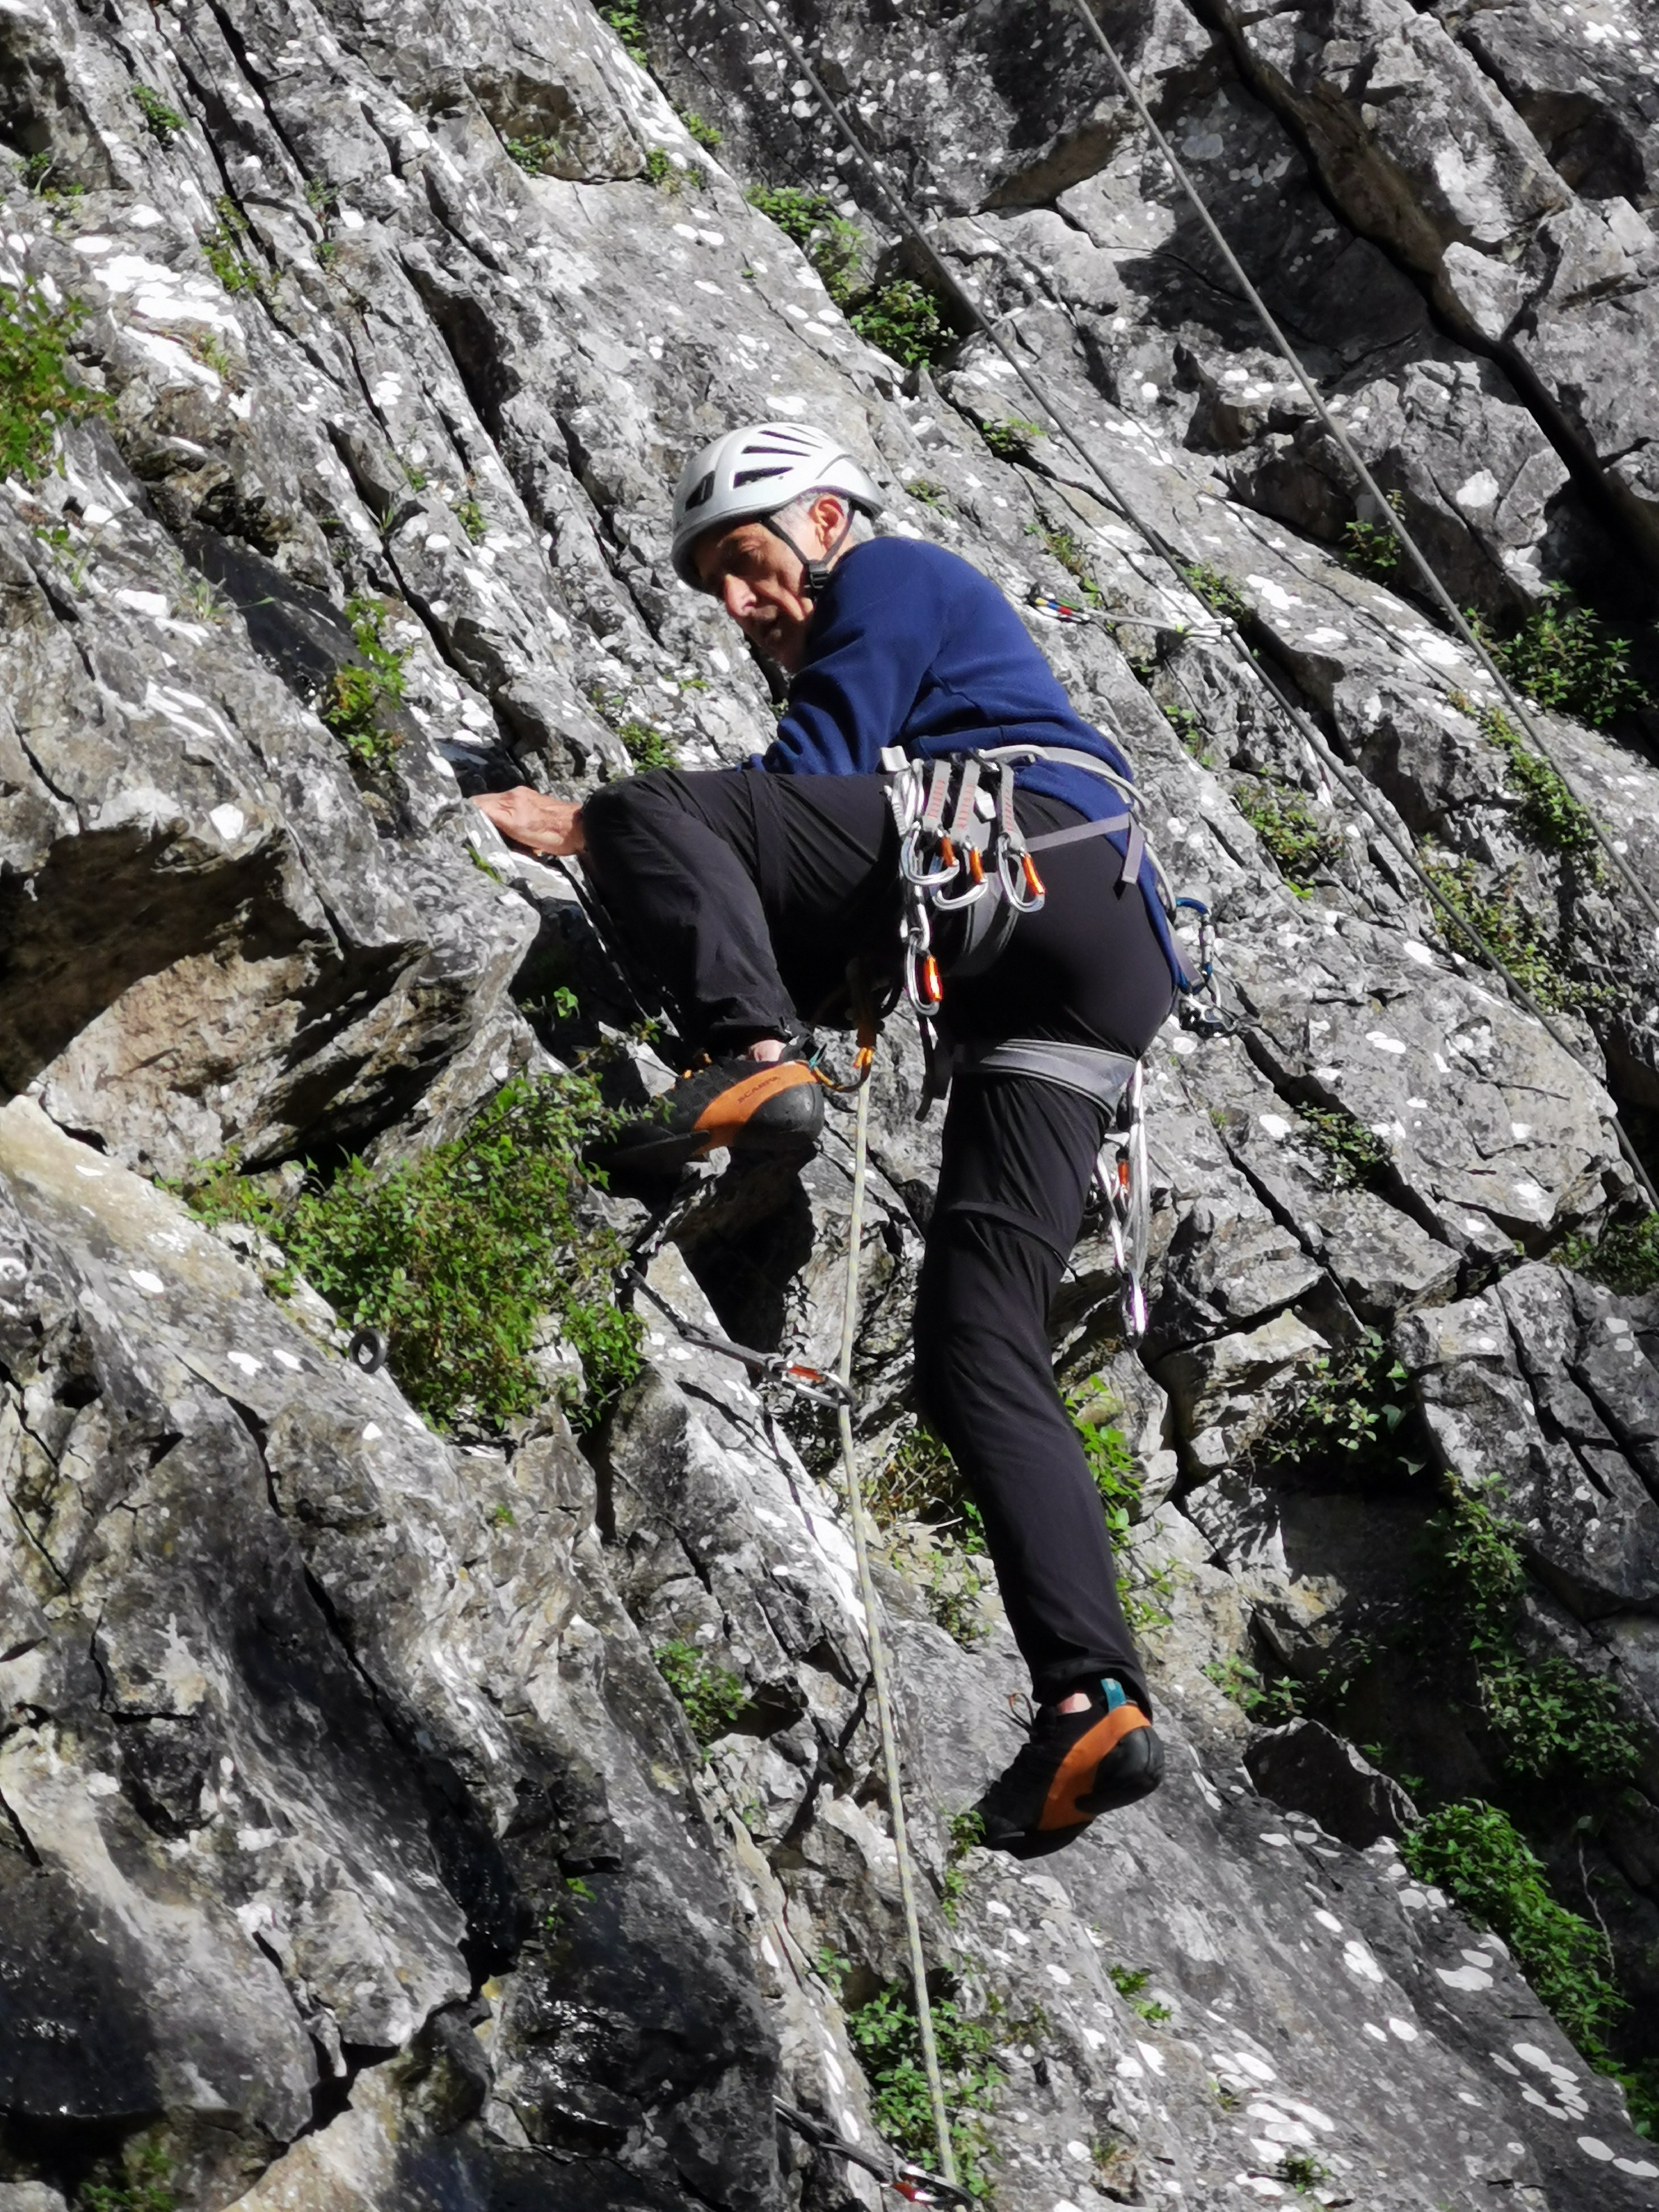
1074, 1766
749, 1105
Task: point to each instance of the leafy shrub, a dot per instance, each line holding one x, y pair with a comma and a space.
146, 2190
1063, 546
1356, 1158
888, 2041
459, 1254
1370, 549
1517, 939
1548, 808
1564, 657
163, 122
1129, 1981
354, 699
648, 748
1286, 826
1626, 1256
1472, 1851
226, 248
472, 517
903, 318
1360, 1405
37, 397
711, 1697
1013, 438
535, 156
705, 132
1110, 1462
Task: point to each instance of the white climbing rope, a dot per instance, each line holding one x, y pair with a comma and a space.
1420, 561
890, 1750
773, 26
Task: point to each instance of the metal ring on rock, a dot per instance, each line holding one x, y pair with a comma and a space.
368, 1350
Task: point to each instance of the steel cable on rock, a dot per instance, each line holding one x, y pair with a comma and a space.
1158, 543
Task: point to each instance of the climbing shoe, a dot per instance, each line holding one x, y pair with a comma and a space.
749, 1105
1074, 1766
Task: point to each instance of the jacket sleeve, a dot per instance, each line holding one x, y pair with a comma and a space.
885, 625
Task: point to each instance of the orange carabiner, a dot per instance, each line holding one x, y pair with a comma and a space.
1033, 881
932, 988
947, 852
976, 865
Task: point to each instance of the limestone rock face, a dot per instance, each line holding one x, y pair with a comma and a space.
355, 1853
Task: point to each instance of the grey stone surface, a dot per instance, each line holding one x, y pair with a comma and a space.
303, 1744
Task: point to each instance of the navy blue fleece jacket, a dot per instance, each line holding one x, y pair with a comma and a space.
911, 646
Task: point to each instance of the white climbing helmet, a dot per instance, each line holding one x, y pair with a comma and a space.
753, 471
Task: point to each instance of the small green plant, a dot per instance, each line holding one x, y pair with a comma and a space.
325, 253
1189, 728
459, 1254
623, 17
1286, 826
71, 558
209, 348
1063, 545
414, 475
472, 517
963, 1832
1218, 592
661, 170
1626, 1256
1472, 1851
1268, 1703
1300, 2169
146, 2187
1110, 1462
163, 122
1146, 1595
355, 698
1360, 1407
1355, 1157
930, 494
1564, 657
537, 156
1497, 913
38, 397
199, 597
705, 132
903, 318
885, 2034
1013, 438
833, 1968
502, 1516
1548, 808
833, 246
647, 748
322, 197
1370, 549
1129, 1981
226, 249
711, 1697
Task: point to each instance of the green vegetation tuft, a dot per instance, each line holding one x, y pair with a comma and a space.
1129, 1981
1473, 1852
711, 1697
472, 517
1286, 826
705, 132
226, 247
1624, 1257
1360, 1407
458, 1254
37, 397
929, 492
1517, 939
163, 122
1564, 657
1013, 438
1063, 546
885, 2034
1218, 592
148, 2189
623, 17
647, 748
903, 318
1355, 1157
535, 156
1370, 549
354, 700
1548, 809
1301, 2170
834, 245
964, 1833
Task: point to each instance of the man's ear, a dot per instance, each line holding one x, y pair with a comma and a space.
830, 517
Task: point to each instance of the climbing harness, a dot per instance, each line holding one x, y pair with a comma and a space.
913, 2182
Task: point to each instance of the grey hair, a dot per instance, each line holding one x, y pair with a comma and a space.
795, 514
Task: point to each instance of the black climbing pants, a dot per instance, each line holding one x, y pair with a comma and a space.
746, 895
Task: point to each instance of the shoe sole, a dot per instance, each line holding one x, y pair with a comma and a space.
729, 1120
1090, 1782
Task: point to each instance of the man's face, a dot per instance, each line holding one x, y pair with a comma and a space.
761, 585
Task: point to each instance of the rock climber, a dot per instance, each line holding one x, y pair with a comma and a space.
747, 891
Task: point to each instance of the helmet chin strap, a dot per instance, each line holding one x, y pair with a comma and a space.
817, 573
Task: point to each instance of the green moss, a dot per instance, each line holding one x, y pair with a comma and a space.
163, 122
885, 2034
1012, 438
458, 1254
38, 395
1565, 658
711, 1697
1474, 1852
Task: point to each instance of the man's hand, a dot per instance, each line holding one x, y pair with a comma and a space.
538, 824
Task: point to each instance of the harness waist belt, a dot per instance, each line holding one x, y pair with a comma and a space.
1090, 1069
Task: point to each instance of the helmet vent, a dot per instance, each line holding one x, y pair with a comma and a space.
756, 476
700, 497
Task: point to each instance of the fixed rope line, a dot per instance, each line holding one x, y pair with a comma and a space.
889, 1750
1164, 550
1419, 560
